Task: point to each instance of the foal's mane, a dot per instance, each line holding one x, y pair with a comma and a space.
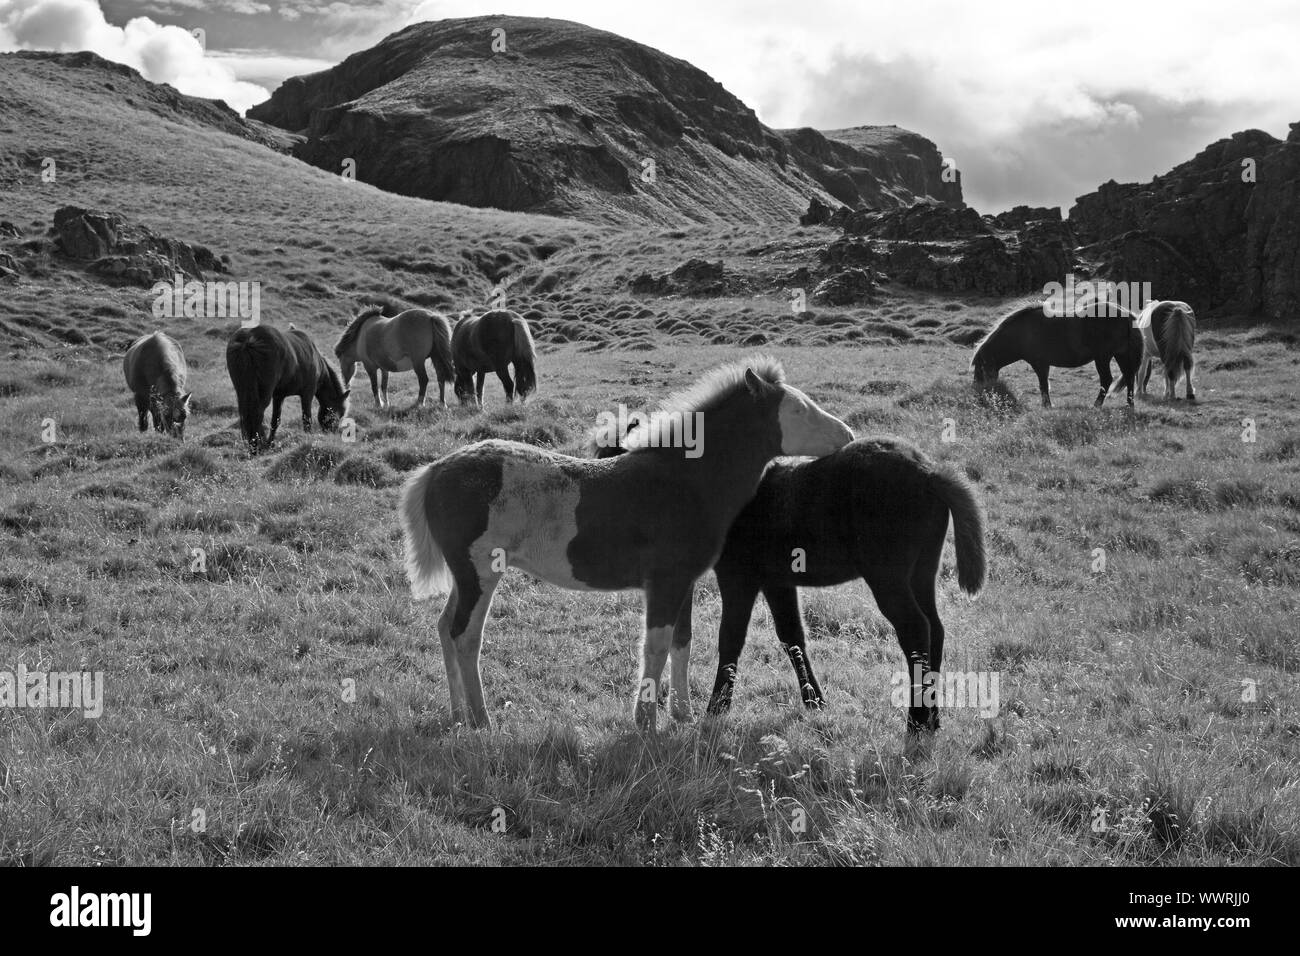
709, 392
354, 327
721, 383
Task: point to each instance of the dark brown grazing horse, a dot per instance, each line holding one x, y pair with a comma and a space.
1045, 341
491, 342
267, 366
156, 374
877, 509
653, 519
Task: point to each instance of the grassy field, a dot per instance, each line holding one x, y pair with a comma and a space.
226, 687
281, 700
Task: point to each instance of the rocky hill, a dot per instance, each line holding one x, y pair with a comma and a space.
1221, 231
565, 119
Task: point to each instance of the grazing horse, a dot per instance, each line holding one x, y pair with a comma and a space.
653, 519
397, 343
877, 509
1168, 334
490, 343
1066, 341
156, 374
267, 366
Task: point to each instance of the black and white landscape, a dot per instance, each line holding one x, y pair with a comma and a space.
1026, 302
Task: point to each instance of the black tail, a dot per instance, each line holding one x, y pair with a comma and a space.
967, 527
249, 374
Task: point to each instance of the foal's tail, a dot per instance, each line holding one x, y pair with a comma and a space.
967, 527
440, 354
525, 358
426, 567
1176, 344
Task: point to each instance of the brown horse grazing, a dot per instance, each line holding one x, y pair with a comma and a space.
877, 509
1168, 334
397, 343
156, 374
267, 366
490, 343
1067, 341
653, 519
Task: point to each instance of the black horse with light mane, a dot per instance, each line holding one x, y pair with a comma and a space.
1045, 341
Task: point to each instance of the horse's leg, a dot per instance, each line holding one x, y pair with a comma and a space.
373, 372
663, 602
680, 657
503, 373
1104, 379
1144, 373
1043, 389
783, 602
442, 391
306, 397
422, 377
896, 601
455, 685
1189, 363
276, 402
738, 594
478, 387
925, 576
142, 410
383, 377
474, 589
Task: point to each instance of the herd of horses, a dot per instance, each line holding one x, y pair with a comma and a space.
785, 498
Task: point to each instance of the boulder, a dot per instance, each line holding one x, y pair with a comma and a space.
695, 277
818, 213
848, 287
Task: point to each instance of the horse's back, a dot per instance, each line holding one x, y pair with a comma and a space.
483, 342
153, 358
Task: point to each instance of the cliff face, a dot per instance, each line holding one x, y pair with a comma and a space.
881, 167
1202, 232
566, 119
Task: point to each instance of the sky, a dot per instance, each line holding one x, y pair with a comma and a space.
1034, 102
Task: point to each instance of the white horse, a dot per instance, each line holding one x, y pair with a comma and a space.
1168, 333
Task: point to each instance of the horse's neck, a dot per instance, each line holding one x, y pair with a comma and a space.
736, 450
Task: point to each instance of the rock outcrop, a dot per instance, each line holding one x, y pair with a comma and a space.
1220, 231
128, 251
555, 117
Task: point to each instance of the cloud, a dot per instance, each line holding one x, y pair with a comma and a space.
163, 54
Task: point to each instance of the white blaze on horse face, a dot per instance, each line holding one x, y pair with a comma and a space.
807, 428
532, 520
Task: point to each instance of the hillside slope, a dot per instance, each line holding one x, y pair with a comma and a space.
191, 170
564, 120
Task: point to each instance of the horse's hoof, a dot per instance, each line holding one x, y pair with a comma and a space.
811, 699
646, 716
719, 704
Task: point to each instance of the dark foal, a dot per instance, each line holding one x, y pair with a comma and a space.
877, 509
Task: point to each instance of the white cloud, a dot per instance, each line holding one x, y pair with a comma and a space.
163, 54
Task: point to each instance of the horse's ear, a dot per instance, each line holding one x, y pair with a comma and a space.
757, 387
185, 399
346, 392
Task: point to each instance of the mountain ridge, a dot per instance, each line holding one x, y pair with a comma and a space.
566, 119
